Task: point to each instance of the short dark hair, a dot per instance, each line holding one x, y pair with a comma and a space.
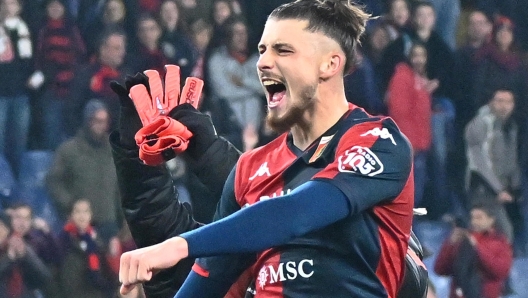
341, 20
501, 89
229, 26
72, 204
107, 33
488, 208
421, 3
483, 12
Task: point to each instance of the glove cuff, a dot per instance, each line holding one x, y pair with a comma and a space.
162, 140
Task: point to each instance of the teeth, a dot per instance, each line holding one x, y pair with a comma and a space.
269, 82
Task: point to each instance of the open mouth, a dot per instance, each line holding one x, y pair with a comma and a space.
276, 91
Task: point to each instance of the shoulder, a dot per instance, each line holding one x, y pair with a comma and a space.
69, 146
261, 153
378, 133
264, 156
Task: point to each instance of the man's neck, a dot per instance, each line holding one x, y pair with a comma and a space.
329, 108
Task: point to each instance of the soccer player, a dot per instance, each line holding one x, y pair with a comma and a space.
325, 210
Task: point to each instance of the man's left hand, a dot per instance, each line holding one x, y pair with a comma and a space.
139, 265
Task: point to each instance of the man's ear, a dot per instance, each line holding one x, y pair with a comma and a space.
332, 65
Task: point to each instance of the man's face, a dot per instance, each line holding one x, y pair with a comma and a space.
10, 8
202, 39
112, 51
379, 39
169, 13
222, 11
399, 12
502, 104
504, 37
99, 124
239, 38
481, 221
114, 11
425, 18
55, 10
288, 68
479, 28
149, 32
21, 220
81, 215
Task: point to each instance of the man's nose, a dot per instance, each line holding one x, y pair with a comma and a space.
265, 61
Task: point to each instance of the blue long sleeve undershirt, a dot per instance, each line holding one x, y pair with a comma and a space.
311, 206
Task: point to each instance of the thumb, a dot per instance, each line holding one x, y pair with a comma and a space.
118, 88
121, 91
125, 289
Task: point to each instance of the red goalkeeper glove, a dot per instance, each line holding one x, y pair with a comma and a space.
162, 137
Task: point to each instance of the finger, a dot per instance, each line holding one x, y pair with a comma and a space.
118, 88
138, 78
123, 267
142, 102
192, 92
156, 87
172, 86
133, 271
129, 82
143, 272
125, 289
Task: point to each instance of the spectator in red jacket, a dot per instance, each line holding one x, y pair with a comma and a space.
409, 104
478, 259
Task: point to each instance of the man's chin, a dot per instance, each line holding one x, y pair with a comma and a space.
284, 123
278, 125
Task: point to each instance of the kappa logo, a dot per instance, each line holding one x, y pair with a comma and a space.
360, 160
270, 274
263, 170
382, 133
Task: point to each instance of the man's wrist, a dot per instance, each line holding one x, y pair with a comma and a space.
179, 245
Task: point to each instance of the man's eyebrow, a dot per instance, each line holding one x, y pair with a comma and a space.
281, 45
277, 45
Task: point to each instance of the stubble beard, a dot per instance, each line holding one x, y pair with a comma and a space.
294, 114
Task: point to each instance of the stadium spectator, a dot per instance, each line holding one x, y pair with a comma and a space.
60, 50
85, 271
232, 75
478, 259
409, 104
16, 66
82, 168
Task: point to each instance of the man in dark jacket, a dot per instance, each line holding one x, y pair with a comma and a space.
148, 198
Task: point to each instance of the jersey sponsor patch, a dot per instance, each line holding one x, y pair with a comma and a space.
270, 274
360, 160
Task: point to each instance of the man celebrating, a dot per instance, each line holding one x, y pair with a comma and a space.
320, 210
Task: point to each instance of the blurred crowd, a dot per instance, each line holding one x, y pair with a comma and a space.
452, 73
